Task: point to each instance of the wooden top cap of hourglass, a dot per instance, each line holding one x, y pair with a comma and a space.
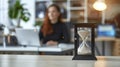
85, 25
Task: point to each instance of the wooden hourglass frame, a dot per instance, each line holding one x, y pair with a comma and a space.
76, 41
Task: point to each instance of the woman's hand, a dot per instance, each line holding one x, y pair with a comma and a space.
51, 43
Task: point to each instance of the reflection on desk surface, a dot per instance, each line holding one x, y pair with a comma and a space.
56, 61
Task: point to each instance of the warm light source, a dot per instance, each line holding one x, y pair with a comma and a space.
99, 5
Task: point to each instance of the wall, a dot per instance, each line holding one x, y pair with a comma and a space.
108, 48
112, 10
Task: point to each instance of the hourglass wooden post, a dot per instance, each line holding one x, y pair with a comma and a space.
90, 55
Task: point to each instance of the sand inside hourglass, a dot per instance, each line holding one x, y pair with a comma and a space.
83, 34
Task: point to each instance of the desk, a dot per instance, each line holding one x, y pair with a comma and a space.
103, 40
37, 49
55, 61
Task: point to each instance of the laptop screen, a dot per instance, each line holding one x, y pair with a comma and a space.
106, 30
28, 37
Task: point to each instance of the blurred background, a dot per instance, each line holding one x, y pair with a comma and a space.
29, 14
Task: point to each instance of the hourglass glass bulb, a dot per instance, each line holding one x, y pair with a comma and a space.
83, 34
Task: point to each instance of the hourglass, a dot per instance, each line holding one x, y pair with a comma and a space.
84, 41
83, 48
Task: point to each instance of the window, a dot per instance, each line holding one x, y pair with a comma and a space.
4, 12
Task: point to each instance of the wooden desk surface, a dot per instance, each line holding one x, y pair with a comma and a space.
55, 61
37, 49
107, 39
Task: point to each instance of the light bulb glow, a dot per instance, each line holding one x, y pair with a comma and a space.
99, 5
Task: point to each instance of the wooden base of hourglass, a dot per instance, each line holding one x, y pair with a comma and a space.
84, 57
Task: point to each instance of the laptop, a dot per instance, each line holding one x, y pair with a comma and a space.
106, 30
28, 37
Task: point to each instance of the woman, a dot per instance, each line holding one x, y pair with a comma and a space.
53, 30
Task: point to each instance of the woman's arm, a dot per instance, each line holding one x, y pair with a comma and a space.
66, 34
40, 36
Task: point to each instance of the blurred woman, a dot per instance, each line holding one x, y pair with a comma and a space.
53, 30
